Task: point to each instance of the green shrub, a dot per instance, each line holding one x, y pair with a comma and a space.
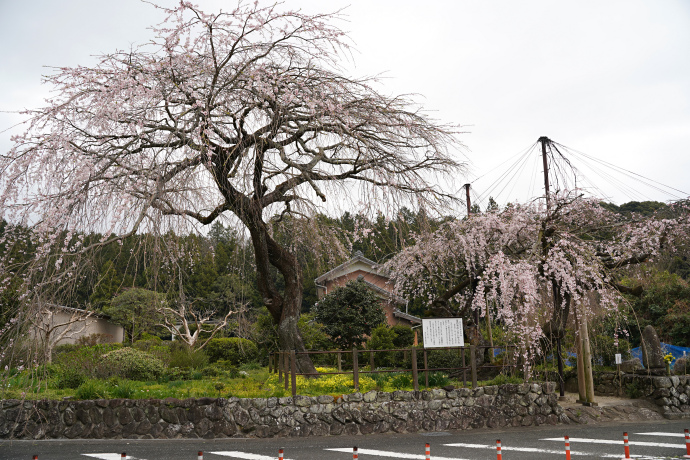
604, 350
186, 358
147, 343
401, 381
176, 373
133, 364
444, 359
92, 389
634, 390
436, 379
87, 360
232, 349
68, 377
123, 389
404, 336
382, 338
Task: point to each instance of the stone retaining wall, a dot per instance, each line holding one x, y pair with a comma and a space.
671, 394
372, 412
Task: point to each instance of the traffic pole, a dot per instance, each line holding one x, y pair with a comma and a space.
280, 454
687, 444
123, 456
36, 456
355, 455
428, 451
626, 446
498, 450
200, 455
567, 448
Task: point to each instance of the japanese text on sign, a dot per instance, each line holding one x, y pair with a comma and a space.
443, 332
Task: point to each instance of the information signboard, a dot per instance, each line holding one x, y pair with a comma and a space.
443, 332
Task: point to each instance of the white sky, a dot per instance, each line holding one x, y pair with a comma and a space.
607, 78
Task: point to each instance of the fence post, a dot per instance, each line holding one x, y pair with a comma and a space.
355, 370
280, 366
414, 369
464, 371
473, 364
371, 361
426, 371
340, 361
293, 372
270, 361
286, 363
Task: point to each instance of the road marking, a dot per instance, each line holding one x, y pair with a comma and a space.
618, 442
109, 456
541, 451
385, 453
673, 435
246, 455
516, 449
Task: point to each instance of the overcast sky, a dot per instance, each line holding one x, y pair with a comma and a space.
610, 79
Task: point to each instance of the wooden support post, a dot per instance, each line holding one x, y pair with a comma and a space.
372, 365
581, 382
415, 382
340, 361
464, 371
473, 364
286, 363
426, 370
355, 369
270, 362
293, 372
280, 366
587, 357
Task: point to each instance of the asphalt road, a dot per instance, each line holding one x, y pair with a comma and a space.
653, 440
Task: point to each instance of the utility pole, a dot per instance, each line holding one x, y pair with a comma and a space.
469, 204
556, 301
545, 140
476, 312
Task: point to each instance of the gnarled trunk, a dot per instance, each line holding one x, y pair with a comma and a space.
285, 308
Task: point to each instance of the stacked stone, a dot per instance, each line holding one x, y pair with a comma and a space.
607, 384
357, 413
671, 394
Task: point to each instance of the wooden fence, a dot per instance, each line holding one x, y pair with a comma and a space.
285, 364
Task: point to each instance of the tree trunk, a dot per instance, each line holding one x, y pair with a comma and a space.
285, 309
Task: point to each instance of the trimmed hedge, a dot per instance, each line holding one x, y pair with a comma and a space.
234, 350
133, 364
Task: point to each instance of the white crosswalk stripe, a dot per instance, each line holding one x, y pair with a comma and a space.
246, 455
535, 450
385, 453
618, 442
111, 456
669, 435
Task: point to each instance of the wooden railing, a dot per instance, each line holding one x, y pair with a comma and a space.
285, 363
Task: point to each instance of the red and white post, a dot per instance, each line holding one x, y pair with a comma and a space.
498, 450
280, 454
123, 456
567, 448
36, 456
687, 444
355, 455
626, 446
200, 455
427, 451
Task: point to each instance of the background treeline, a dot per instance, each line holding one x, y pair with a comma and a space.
215, 272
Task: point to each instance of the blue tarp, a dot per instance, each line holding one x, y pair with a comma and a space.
677, 352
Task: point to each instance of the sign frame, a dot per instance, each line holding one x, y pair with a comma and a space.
442, 332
